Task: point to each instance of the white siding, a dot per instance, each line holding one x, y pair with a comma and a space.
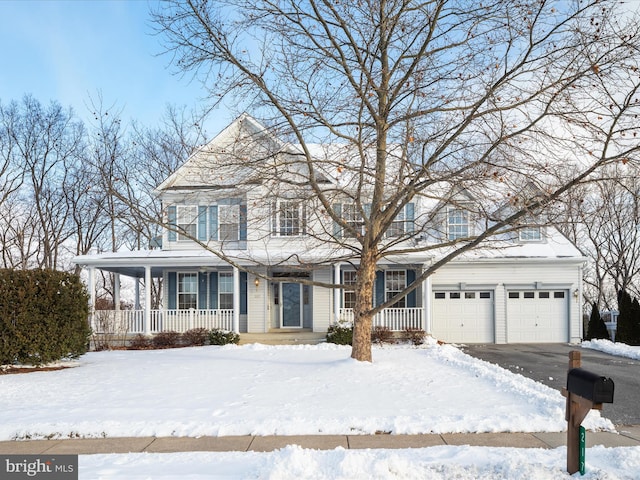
257, 320
515, 274
322, 301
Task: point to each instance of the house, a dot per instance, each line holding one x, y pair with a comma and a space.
269, 267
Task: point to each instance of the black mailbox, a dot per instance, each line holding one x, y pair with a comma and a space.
590, 386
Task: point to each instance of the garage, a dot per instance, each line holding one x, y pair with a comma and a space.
537, 316
463, 316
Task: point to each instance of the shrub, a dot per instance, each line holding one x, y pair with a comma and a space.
43, 316
381, 335
168, 339
139, 342
195, 336
223, 337
415, 335
596, 328
340, 334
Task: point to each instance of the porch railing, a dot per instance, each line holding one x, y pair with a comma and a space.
396, 319
132, 321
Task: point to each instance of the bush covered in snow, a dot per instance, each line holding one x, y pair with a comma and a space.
340, 334
223, 337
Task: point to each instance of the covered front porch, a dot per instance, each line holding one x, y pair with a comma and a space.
199, 290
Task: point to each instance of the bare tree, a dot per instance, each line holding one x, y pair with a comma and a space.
46, 142
603, 219
427, 99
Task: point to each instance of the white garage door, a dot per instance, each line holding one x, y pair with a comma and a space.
537, 316
463, 317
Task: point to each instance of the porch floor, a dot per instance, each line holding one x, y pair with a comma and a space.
284, 337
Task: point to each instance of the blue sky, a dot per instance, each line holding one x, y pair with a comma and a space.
72, 50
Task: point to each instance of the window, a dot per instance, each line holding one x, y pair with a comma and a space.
395, 282
440, 295
396, 229
229, 222
558, 294
186, 222
187, 291
288, 219
530, 234
514, 294
529, 295
225, 290
485, 294
454, 295
352, 217
470, 295
349, 291
457, 223
543, 295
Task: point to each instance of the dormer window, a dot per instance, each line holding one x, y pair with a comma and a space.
457, 223
530, 234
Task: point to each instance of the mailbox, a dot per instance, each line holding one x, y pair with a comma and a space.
594, 388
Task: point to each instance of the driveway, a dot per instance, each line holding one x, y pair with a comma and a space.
548, 363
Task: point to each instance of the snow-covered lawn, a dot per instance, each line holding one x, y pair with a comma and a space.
277, 390
286, 390
618, 349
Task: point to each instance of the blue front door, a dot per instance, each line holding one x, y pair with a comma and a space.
291, 305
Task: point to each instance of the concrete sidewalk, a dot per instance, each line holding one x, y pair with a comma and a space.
625, 437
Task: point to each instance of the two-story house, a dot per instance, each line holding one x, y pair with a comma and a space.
245, 249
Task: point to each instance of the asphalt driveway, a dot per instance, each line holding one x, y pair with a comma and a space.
548, 363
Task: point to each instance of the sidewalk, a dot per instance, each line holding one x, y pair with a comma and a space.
627, 436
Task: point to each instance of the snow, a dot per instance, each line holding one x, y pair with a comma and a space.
286, 390
295, 463
618, 349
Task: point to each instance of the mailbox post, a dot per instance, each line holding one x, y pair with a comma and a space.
585, 391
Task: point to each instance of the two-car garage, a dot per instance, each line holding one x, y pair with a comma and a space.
530, 316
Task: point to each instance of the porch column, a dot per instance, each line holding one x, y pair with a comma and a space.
426, 305
336, 293
91, 286
147, 300
116, 291
137, 300
236, 300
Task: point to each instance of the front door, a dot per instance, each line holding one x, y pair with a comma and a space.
291, 304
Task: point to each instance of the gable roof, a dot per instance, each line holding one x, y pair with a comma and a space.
219, 163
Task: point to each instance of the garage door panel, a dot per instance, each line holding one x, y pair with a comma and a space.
537, 317
463, 317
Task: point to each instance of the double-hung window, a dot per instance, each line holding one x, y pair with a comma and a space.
187, 291
225, 290
457, 223
395, 282
352, 217
288, 219
349, 290
186, 221
228, 223
530, 234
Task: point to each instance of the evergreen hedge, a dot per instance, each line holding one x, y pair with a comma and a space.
43, 316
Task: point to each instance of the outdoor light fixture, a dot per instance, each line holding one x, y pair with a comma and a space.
576, 293
257, 282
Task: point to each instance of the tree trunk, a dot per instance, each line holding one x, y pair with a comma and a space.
365, 281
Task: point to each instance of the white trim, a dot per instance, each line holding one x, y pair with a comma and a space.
147, 300
236, 299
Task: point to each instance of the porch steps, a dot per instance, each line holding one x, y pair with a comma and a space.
284, 337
